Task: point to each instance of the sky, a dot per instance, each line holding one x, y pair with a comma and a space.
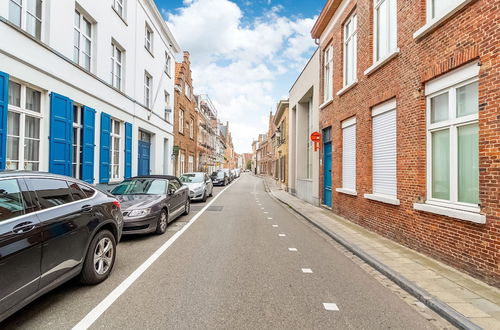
245, 54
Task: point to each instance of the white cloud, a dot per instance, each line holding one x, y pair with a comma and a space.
239, 66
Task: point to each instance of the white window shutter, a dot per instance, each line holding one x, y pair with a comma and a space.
349, 157
384, 153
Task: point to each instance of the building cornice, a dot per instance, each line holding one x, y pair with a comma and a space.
324, 18
163, 25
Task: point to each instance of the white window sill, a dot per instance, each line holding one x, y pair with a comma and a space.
452, 213
347, 191
437, 21
383, 198
346, 88
325, 104
381, 62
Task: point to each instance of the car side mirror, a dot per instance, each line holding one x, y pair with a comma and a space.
171, 191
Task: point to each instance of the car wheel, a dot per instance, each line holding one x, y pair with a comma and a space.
161, 226
100, 258
204, 199
211, 192
187, 207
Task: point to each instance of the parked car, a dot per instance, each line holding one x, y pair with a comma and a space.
200, 185
229, 173
52, 228
238, 172
220, 178
150, 203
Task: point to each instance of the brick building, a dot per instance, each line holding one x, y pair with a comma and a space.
410, 106
280, 140
185, 119
207, 134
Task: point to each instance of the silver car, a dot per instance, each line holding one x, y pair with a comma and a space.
200, 185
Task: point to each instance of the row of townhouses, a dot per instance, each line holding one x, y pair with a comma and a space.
403, 99
91, 89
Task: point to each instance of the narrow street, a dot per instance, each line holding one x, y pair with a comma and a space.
246, 262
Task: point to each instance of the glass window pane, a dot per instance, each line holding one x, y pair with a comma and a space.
441, 164
33, 99
14, 94
75, 114
86, 62
12, 148
51, 192
77, 19
33, 26
11, 200
76, 39
467, 100
439, 108
76, 192
32, 129
87, 28
117, 128
439, 6
468, 164
13, 123
393, 34
382, 30
15, 13
86, 46
35, 8
31, 150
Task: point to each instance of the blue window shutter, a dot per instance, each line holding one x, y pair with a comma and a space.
105, 148
61, 135
128, 150
88, 144
4, 106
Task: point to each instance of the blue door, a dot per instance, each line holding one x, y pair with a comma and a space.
144, 153
327, 167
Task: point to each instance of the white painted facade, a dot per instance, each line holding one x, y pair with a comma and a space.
47, 65
303, 164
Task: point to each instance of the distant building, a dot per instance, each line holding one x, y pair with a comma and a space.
280, 140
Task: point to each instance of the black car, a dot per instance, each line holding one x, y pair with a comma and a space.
149, 203
52, 228
219, 178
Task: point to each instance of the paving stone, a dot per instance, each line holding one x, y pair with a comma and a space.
468, 310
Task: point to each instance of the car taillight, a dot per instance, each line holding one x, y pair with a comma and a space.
117, 204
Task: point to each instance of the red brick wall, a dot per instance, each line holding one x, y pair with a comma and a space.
470, 34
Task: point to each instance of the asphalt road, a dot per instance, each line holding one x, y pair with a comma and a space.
231, 269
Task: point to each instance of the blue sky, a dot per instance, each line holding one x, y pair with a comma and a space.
244, 54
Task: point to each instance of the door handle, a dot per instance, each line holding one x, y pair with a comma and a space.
23, 227
86, 208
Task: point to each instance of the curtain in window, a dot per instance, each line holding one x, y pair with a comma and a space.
441, 164
468, 164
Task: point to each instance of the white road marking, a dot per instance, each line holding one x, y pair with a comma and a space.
292, 249
331, 306
262, 208
266, 212
269, 218
307, 270
98, 310
281, 235
275, 226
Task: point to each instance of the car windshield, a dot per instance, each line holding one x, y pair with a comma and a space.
219, 174
141, 187
192, 178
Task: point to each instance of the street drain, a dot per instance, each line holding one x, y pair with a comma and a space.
215, 208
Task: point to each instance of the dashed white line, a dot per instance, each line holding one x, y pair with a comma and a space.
275, 226
331, 306
266, 212
281, 235
269, 218
307, 270
292, 249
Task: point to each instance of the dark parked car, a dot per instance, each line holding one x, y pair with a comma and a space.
220, 178
149, 203
52, 228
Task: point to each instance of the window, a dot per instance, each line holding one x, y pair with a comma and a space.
11, 200
23, 128
82, 50
453, 138
76, 192
77, 141
191, 128
187, 90
168, 64
385, 30
51, 192
437, 8
182, 163
181, 121
148, 39
350, 49
116, 66
190, 164
349, 155
119, 6
328, 69
27, 14
173, 185
89, 192
115, 138
168, 110
384, 149
147, 90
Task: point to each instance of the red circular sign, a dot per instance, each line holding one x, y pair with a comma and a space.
315, 137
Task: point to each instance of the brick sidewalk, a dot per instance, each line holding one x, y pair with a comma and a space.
466, 302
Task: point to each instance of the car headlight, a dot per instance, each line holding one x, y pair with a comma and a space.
139, 213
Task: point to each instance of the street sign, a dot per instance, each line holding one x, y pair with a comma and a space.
316, 139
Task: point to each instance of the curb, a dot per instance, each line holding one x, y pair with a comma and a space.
422, 295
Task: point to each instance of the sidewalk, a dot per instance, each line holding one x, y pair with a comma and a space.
464, 301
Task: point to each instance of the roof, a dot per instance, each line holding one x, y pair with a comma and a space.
282, 105
324, 18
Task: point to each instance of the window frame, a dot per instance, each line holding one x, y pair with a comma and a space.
168, 64
328, 73
376, 31
181, 121
121, 4
148, 38
353, 37
24, 12
112, 149
23, 113
452, 124
191, 128
117, 76
347, 123
78, 124
81, 35
148, 85
168, 109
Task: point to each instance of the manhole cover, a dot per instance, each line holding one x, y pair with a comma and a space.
215, 208
196, 207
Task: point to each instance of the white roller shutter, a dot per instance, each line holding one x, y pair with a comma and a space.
384, 152
349, 154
